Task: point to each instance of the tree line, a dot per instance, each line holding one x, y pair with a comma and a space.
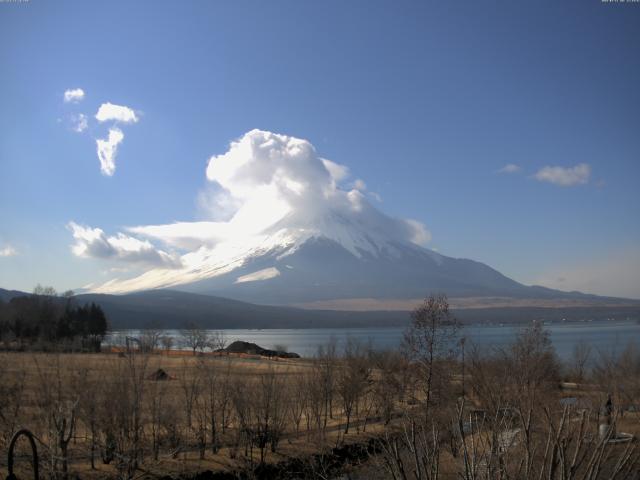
46, 320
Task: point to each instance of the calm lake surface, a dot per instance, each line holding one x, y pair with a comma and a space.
605, 336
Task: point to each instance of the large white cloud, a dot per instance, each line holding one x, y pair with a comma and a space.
107, 150
565, 176
277, 181
94, 243
265, 160
117, 113
73, 95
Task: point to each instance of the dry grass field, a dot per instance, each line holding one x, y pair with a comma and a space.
177, 410
422, 413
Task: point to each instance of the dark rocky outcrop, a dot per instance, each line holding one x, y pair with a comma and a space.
253, 349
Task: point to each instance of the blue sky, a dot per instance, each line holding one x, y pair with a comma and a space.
424, 101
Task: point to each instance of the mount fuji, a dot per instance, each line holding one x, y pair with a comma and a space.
298, 234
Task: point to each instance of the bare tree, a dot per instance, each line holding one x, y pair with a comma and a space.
167, 342
579, 360
194, 337
58, 406
269, 411
121, 410
216, 340
190, 386
157, 409
12, 391
325, 363
430, 340
316, 401
389, 387
298, 398
88, 391
354, 378
211, 400
150, 337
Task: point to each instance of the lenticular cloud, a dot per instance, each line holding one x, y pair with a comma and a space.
283, 193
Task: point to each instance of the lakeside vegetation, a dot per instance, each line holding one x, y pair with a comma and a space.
439, 407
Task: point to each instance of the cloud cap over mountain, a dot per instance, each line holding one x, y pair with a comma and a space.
283, 193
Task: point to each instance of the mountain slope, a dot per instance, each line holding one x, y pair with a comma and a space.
322, 269
298, 266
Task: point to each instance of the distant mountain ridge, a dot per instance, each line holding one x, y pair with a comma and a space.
172, 309
7, 295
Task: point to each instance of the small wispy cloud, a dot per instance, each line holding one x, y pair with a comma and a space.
7, 251
565, 176
419, 233
336, 171
73, 95
510, 168
376, 196
79, 122
117, 113
107, 150
94, 243
359, 184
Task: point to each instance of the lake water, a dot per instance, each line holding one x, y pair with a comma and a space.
605, 336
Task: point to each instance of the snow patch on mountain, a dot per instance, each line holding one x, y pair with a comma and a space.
264, 274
